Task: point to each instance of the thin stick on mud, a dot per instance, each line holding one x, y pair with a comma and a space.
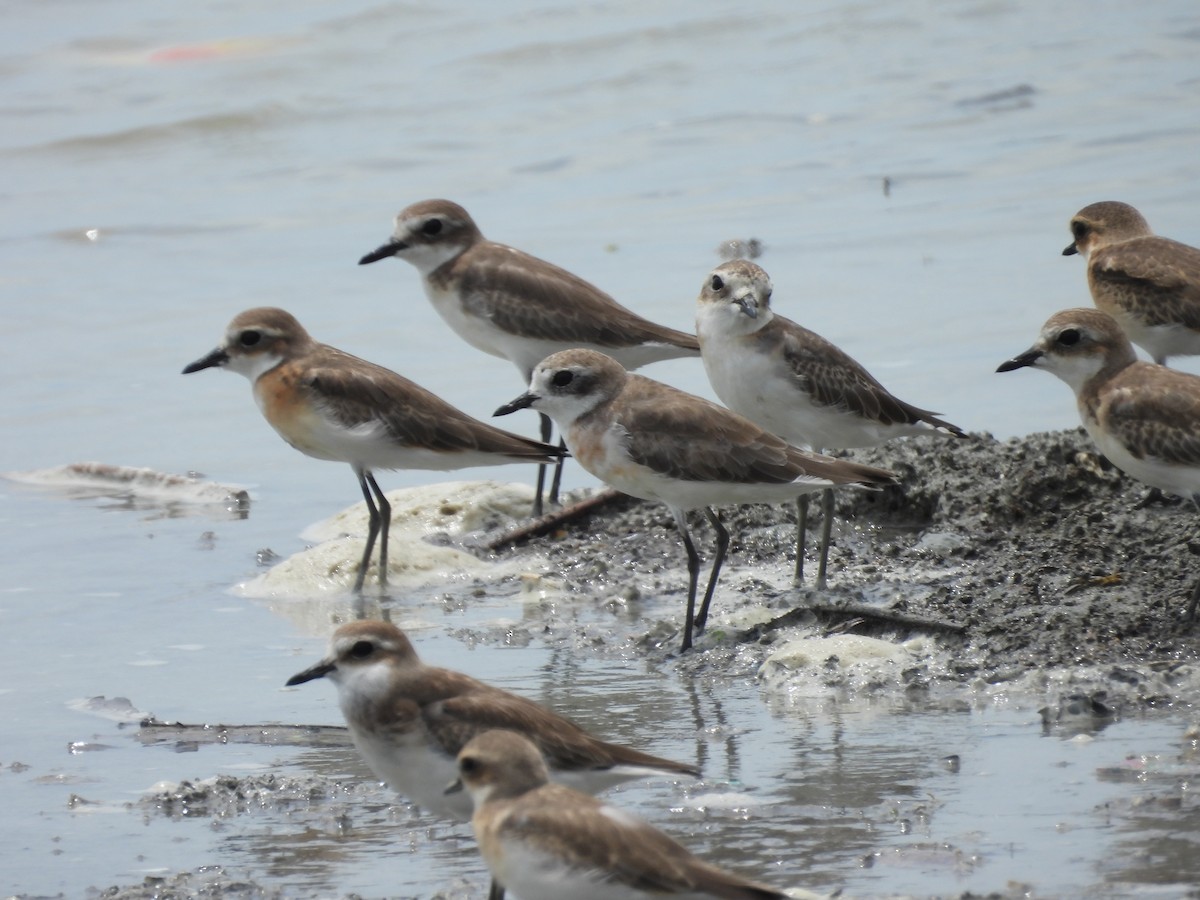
547, 523
846, 611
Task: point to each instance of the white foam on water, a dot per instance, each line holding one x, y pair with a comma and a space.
849, 651
96, 479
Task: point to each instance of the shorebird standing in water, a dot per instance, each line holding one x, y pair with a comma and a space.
545, 841
409, 720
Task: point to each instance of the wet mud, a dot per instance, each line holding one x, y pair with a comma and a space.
1031, 561
1036, 552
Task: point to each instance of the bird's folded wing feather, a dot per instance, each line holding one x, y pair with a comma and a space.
688, 438
366, 394
1164, 424
834, 378
682, 437
456, 720
1166, 270
618, 848
543, 301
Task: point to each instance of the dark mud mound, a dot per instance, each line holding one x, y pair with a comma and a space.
1042, 551
1063, 561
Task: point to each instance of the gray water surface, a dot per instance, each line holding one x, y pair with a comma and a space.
168, 165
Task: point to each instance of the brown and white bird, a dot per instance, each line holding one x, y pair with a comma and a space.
331, 405
515, 306
652, 441
1149, 284
794, 383
409, 720
545, 841
1145, 418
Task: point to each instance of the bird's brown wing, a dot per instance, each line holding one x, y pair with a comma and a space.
615, 847
834, 378
686, 437
536, 299
565, 745
357, 393
1158, 416
1165, 272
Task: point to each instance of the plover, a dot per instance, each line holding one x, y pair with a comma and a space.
1149, 284
545, 841
1145, 418
331, 405
515, 306
409, 720
794, 383
650, 440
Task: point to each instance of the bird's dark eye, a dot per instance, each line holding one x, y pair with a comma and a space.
249, 338
433, 226
468, 764
562, 378
1068, 336
362, 649
717, 283
1079, 229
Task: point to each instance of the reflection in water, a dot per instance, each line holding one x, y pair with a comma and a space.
156, 177
1078, 714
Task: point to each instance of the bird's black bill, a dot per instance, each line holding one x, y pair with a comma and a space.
1028, 358
1070, 250
525, 401
749, 307
454, 787
320, 670
217, 358
388, 249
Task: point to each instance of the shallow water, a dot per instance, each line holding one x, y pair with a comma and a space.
168, 166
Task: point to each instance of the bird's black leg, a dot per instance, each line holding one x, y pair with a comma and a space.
547, 427
826, 533
385, 521
801, 532
722, 546
372, 526
556, 483
693, 576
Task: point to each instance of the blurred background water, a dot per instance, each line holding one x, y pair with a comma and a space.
910, 169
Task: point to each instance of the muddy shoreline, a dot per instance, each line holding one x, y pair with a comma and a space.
1038, 549
1043, 554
